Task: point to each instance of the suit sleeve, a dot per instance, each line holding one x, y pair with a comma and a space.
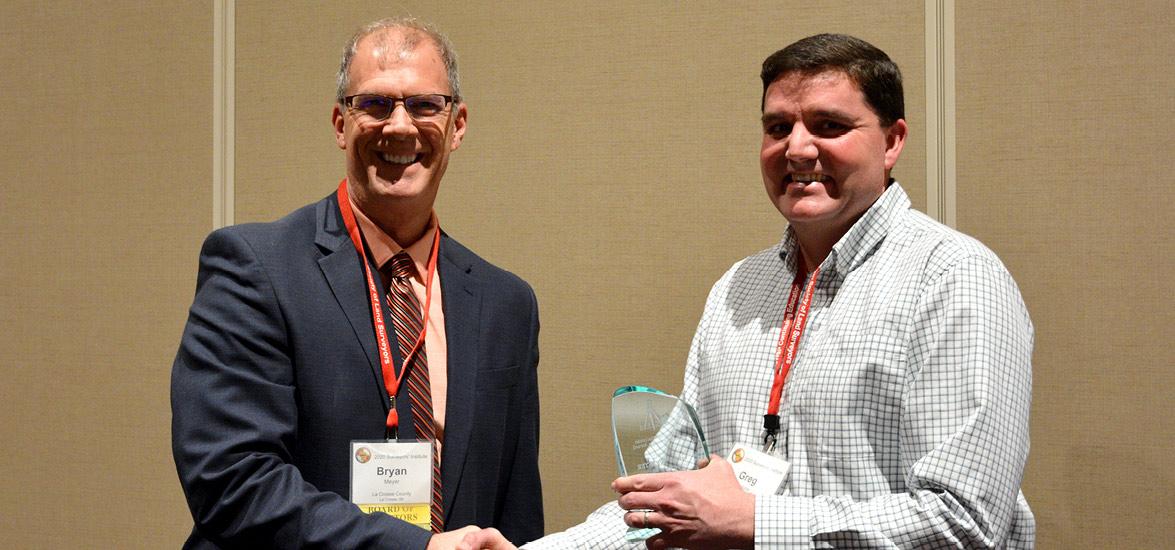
235, 420
522, 512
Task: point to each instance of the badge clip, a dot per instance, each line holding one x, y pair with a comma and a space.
771, 425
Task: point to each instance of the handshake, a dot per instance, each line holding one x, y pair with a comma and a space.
469, 537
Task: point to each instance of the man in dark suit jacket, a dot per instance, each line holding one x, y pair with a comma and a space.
279, 368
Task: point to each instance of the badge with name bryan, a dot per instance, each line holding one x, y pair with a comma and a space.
758, 472
394, 478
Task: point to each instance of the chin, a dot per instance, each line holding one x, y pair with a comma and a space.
803, 215
800, 206
391, 185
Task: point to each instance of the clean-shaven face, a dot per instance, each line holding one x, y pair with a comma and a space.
396, 164
825, 156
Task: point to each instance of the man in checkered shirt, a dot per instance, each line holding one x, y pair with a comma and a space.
905, 414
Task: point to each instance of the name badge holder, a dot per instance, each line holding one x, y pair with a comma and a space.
393, 477
758, 472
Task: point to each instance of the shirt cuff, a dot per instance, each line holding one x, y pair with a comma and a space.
783, 522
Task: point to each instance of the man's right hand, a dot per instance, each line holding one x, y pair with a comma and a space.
485, 539
450, 539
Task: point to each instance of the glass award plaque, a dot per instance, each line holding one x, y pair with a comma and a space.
654, 432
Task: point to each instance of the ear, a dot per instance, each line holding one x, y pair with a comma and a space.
459, 126
895, 140
337, 120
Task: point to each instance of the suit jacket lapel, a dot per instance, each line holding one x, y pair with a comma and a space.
344, 274
462, 302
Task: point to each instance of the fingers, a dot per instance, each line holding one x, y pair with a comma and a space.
627, 484
656, 482
647, 491
642, 519
637, 501
642, 482
485, 538
450, 539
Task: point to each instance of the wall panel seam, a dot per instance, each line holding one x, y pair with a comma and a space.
223, 111
940, 111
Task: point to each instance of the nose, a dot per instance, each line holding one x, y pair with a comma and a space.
399, 123
801, 144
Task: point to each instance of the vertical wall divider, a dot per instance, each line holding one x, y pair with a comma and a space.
223, 111
940, 111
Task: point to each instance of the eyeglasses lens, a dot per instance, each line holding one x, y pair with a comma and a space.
425, 105
418, 106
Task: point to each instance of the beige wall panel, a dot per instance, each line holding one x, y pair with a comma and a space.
107, 156
611, 160
1064, 139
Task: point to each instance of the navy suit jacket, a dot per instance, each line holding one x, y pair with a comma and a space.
277, 372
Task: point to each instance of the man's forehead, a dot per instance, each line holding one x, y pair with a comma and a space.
813, 89
802, 91
795, 82
390, 47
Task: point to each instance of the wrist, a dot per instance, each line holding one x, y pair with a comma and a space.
745, 533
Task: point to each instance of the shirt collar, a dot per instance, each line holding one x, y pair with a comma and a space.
382, 247
861, 239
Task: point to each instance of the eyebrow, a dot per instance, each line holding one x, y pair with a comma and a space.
773, 117
835, 114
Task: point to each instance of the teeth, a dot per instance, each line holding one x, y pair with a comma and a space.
397, 159
808, 177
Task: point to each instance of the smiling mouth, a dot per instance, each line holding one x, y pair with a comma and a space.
399, 159
804, 178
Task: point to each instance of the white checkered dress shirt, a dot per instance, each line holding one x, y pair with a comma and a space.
905, 416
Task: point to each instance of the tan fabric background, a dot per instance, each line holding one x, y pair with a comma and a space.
1065, 170
611, 160
106, 155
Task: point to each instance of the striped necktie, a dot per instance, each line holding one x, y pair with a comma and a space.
406, 319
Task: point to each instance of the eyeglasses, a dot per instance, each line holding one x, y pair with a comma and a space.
379, 107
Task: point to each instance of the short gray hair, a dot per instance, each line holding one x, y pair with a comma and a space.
412, 31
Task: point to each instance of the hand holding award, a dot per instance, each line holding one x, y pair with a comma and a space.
654, 432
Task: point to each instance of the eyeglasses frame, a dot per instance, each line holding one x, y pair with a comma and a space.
396, 101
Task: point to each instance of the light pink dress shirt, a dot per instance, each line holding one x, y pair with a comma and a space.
382, 247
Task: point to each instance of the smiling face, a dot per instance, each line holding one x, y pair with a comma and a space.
395, 165
825, 156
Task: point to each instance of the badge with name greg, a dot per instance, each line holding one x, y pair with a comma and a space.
758, 472
394, 478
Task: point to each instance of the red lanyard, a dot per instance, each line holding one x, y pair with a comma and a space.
795, 318
391, 380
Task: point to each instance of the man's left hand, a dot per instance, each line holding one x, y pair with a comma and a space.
704, 508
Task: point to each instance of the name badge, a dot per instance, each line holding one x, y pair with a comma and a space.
758, 472
393, 477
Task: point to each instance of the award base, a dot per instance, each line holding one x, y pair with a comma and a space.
639, 534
